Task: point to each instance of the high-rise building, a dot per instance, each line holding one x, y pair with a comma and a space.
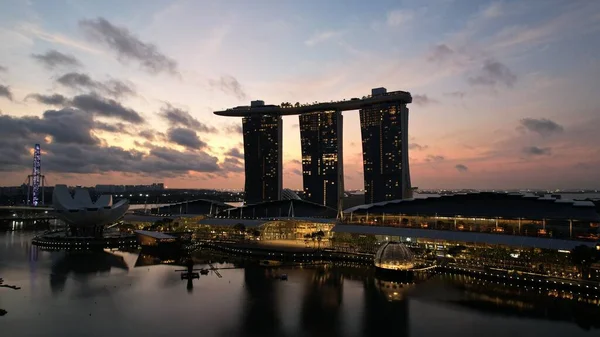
322, 165
262, 155
384, 129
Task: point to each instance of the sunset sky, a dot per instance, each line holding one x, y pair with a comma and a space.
505, 94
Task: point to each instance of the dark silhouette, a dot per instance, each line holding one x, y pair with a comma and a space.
583, 256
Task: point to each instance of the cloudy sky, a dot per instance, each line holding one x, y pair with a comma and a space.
506, 93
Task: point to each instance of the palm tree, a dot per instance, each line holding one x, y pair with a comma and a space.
306, 238
313, 237
319, 235
239, 229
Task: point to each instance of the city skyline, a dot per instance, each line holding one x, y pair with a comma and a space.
504, 93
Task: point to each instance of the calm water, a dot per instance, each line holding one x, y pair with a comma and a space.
107, 295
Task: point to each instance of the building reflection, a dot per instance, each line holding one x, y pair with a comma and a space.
260, 315
386, 308
82, 265
497, 299
190, 264
321, 304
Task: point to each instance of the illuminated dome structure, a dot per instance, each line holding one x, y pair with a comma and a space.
394, 256
84, 217
287, 194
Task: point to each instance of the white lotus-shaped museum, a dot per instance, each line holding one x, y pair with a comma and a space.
84, 216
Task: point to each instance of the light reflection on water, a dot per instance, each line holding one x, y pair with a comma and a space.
123, 294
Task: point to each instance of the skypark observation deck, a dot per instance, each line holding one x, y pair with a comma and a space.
345, 105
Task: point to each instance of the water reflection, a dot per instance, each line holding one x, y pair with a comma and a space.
382, 313
320, 313
252, 301
495, 298
260, 316
81, 266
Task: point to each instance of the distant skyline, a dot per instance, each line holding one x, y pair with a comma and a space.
505, 93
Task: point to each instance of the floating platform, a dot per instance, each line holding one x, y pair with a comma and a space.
189, 276
58, 240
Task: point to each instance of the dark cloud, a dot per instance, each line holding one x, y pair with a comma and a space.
117, 88
296, 172
148, 134
295, 126
55, 99
181, 118
159, 161
67, 126
296, 161
461, 168
234, 128
112, 87
127, 46
229, 85
106, 107
185, 137
78, 151
423, 100
77, 81
231, 164
92, 104
433, 158
493, 73
53, 59
440, 53
56, 124
5, 92
457, 94
114, 128
417, 147
235, 152
537, 151
544, 127
3, 69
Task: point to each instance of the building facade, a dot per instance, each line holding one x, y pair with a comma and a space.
262, 155
322, 164
384, 130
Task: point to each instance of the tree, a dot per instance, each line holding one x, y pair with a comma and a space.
307, 237
583, 257
319, 235
313, 237
239, 227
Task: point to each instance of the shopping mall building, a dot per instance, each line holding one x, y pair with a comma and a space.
513, 230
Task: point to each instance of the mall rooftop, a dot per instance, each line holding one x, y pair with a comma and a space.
486, 205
